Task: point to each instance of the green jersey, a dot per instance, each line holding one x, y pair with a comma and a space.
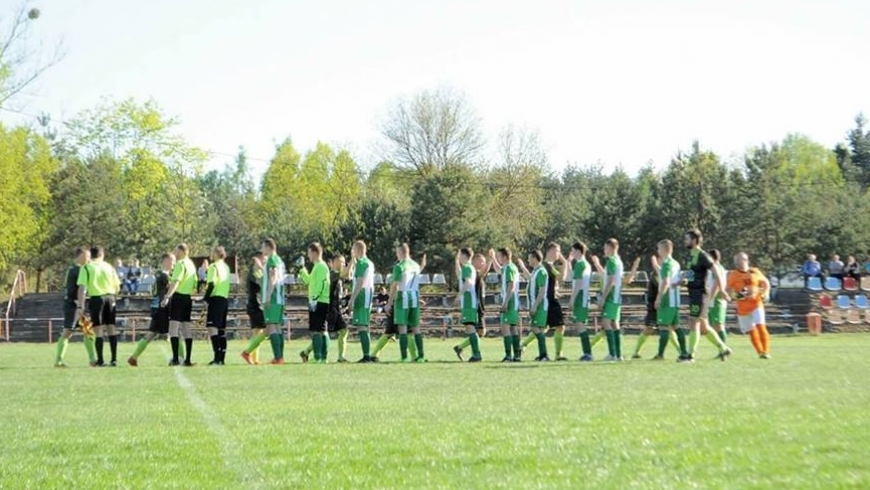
581, 282
274, 265
406, 275
669, 274
468, 286
99, 278
364, 278
317, 281
711, 284
510, 281
184, 273
614, 270
538, 287
218, 275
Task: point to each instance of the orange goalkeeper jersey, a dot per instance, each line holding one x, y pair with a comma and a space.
749, 283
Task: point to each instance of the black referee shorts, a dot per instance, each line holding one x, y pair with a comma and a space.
216, 316
102, 310
180, 308
317, 318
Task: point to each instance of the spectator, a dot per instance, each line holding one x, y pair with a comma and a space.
811, 268
836, 267
853, 270
134, 275
201, 275
121, 271
381, 299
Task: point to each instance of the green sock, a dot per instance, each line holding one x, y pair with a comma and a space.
140, 348
672, 334
529, 339
418, 341
714, 339
664, 337
324, 347
60, 351
342, 343
275, 340
617, 343
542, 344
558, 342
465, 342
365, 340
379, 346
585, 343
255, 342
681, 341
89, 348
610, 347
403, 345
693, 342
508, 345
317, 340
307, 350
724, 335
474, 340
641, 339
515, 340
597, 338
412, 348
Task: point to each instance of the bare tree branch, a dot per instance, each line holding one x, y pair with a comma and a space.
20, 63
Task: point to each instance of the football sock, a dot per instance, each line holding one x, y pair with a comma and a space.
140, 348
255, 355
275, 341
600, 334
611, 347
724, 335
474, 340
113, 347
693, 342
714, 339
365, 341
60, 351
465, 342
418, 341
508, 345
99, 344
173, 341
674, 342
765, 338
342, 343
403, 345
214, 347
255, 342
307, 350
681, 341
222, 346
542, 344
558, 342
324, 347
317, 342
89, 348
641, 339
188, 347
518, 349
585, 343
617, 343
755, 338
379, 346
664, 337
529, 339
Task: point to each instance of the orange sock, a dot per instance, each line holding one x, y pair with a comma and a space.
765, 338
755, 337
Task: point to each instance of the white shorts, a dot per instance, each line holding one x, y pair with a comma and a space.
748, 322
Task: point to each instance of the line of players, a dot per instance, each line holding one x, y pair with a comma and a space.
709, 291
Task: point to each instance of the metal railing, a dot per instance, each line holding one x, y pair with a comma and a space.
19, 288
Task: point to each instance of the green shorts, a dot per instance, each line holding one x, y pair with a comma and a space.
539, 318
361, 317
510, 317
409, 317
668, 317
580, 314
470, 316
274, 314
716, 315
611, 311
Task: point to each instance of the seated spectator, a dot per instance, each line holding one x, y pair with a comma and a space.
134, 275
811, 268
121, 271
201, 275
853, 270
381, 299
836, 268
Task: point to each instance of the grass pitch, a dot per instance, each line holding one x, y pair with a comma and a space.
797, 421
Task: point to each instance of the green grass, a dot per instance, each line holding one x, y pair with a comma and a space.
797, 421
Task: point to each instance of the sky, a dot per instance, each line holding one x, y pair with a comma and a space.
609, 82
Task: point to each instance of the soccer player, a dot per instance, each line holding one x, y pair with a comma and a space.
667, 302
390, 328
555, 315
699, 266
318, 301
538, 298
335, 321
581, 276
361, 296
469, 301
272, 301
405, 301
253, 308
502, 262
178, 298
159, 314
750, 287
718, 310
70, 308
612, 308
217, 292
100, 283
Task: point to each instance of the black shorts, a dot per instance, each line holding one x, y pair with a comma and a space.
216, 316
696, 303
180, 308
102, 310
390, 328
317, 318
651, 319
159, 320
255, 316
69, 315
335, 320
555, 317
